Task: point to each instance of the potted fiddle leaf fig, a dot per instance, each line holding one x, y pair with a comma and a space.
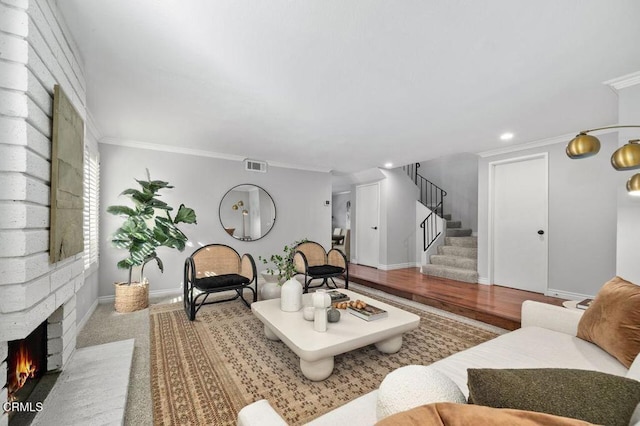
147, 226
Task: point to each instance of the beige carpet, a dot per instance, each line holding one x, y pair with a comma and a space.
204, 372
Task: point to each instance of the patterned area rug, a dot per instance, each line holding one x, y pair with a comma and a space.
204, 372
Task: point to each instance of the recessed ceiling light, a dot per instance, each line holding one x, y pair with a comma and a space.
506, 136
388, 165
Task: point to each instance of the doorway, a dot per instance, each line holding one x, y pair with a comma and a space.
518, 223
367, 224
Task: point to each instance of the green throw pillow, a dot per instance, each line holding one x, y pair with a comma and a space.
591, 396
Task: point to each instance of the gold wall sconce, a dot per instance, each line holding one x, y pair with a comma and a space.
626, 157
245, 213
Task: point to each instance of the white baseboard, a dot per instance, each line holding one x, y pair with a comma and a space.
398, 266
154, 293
86, 316
484, 280
567, 295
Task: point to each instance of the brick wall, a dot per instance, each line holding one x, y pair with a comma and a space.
35, 54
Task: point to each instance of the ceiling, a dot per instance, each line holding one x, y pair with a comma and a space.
347, 85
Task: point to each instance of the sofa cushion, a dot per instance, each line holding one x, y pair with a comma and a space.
613, 320
529, 347
414, 385
586, 395
449, 414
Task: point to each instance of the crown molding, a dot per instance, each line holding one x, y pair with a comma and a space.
625, 81
540, 143
298, 167
201, 153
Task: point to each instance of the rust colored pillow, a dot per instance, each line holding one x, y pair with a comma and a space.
450, 414
613, 320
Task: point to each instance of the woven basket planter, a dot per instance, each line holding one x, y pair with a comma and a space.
131, 298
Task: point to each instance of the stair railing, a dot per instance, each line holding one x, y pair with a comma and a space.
430, 231
431, 196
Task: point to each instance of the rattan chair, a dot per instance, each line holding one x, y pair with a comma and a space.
215, 268
315, 263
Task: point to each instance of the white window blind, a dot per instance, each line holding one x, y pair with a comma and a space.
91, 208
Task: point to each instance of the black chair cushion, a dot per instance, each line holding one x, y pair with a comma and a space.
220, 281
325, 270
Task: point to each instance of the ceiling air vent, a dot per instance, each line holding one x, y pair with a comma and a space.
255, 166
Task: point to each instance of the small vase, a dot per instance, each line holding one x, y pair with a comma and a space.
270, 290
321, 301
291, 296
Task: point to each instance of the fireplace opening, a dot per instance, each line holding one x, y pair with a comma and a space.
26, 364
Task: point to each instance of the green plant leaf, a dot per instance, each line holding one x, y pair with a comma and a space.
138, 234
153, 186
146, 212
157, 204
121, 211
140, 197
125, 264
185, 215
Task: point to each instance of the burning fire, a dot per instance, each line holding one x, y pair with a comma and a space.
24, 368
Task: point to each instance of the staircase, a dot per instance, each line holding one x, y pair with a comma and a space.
457, 259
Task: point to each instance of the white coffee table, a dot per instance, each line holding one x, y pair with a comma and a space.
316, 350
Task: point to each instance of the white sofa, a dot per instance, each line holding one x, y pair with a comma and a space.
547, 339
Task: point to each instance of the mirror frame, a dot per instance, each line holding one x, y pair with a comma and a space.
275, 216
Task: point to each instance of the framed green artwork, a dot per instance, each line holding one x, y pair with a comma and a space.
67, 156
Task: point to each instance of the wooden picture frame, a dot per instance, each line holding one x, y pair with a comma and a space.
66, 237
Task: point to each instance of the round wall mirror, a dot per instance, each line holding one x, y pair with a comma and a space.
247, 212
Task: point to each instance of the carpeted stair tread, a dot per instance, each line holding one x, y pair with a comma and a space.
457, 259
454, 262
457, 274
459, 232
469, 252
461, 241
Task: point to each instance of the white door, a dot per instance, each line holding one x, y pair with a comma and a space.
367, 224
519, 223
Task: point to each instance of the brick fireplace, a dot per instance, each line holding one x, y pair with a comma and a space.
36, 55
56, 310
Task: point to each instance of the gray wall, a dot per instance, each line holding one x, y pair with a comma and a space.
458, 175
397, 229
582, 218
200, 183
628, 262
87, 297
397, 217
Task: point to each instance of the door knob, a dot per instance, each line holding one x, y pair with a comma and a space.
540, 232
374, 227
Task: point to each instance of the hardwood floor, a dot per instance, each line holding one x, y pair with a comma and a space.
493, 304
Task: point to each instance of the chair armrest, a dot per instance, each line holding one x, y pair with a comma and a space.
337, 258
189, 273
248, 267
557, 318
260, 413
300, 262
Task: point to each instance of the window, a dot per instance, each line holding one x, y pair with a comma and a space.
91, 208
